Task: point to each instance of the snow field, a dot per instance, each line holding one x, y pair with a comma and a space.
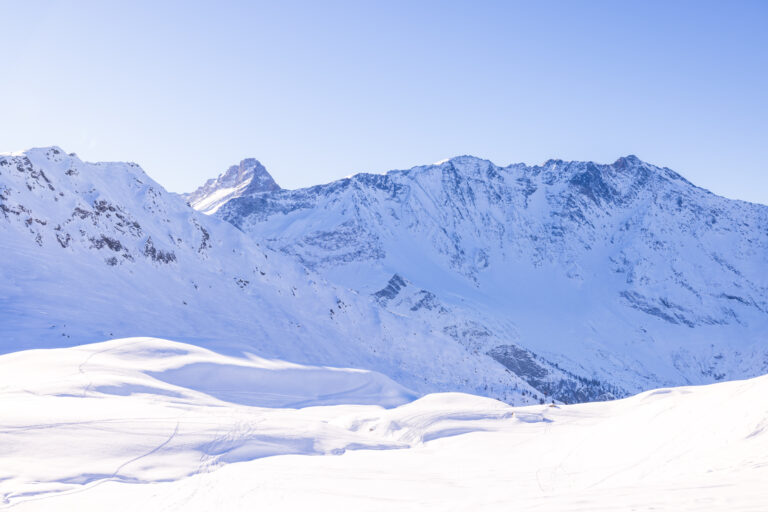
88, 423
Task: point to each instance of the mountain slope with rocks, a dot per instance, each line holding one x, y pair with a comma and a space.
97, 251
623, 275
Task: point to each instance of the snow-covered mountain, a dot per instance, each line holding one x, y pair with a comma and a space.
623, 275
96, 251
572, 280
248, 177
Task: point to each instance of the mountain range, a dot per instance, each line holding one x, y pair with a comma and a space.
568, 281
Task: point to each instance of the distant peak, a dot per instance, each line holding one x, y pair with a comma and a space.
56, 150
466, 159
247, 177
627, 161
459, 159
249, 173
251, 163
42, 150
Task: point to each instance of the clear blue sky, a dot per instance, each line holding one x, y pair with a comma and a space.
318, 90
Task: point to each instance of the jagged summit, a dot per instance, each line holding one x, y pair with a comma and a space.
56, 161
251, 171
632, 160
246, 178
463, 159
469, 162
626, 172
36, 150
629, 159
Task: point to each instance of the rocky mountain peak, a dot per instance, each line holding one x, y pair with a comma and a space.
247, 178
251, 173
627, 161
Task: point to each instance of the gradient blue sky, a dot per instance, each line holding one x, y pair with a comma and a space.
318, 90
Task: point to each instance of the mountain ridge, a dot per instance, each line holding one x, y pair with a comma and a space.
626, 250
566, 281
96, 251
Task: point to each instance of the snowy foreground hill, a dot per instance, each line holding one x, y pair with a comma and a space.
150, 424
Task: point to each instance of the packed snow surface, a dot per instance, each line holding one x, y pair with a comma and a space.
150, 424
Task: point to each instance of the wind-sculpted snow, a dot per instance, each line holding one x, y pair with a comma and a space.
623, 275
90, 252
152, 424
145, 410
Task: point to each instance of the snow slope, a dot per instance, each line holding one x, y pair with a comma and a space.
95, 251
152, 424
624, 275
